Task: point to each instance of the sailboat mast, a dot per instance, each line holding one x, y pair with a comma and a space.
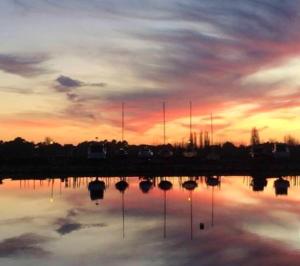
211, 129
164, 118
123, 105
190, 121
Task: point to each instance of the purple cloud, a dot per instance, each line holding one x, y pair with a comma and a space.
25, 66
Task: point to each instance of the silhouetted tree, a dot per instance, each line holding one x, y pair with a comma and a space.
290, 140
18, 148
254, 137
228, 146
206, 139
48, 141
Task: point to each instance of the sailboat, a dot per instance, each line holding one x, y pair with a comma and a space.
190, 150
97, 151
281, 151
166, 151
145, 153
122, 152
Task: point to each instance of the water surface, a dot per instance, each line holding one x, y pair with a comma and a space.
55, 222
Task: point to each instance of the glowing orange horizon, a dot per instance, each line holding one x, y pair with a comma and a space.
69, 83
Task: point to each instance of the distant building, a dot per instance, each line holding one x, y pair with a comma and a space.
281, 151
97, 151
261, 150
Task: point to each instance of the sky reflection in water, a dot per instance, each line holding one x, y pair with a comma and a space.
51, 222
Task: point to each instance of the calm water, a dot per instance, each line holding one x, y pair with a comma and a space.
51, 222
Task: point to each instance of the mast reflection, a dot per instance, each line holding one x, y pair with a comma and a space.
190, 185
122, 185
165, 185
212, 182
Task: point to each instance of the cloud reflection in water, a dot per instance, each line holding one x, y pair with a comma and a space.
250, 228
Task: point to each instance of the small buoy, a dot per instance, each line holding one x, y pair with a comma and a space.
201, 226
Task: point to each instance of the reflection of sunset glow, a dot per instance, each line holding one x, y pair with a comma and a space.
259, 216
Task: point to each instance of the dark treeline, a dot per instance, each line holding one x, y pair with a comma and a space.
20, 149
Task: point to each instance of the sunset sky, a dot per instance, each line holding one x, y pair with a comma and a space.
66, 67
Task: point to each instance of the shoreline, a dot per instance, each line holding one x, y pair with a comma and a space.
129, 167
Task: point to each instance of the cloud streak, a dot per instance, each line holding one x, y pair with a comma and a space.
70, 86
25, 66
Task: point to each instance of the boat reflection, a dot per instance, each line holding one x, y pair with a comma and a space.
258, 182
213, 181
171, 188
237, 221
281, 186
96, 189
146, 184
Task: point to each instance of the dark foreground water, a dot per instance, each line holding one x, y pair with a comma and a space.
51, 222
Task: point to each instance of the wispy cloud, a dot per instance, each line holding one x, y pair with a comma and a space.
67, 82
15, 90
25, 66
70, 85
